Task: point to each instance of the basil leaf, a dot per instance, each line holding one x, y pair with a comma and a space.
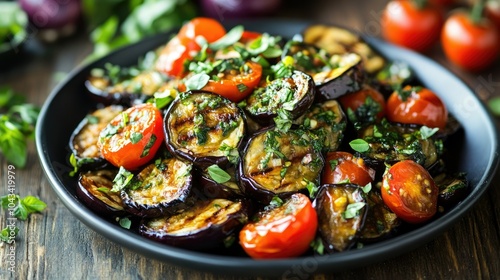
367, 188
125, 223
359, 145
427, 132
227, 40
121, 179
135, 137
352, 210
494, 105
217, 174
5, 234
197, 81
33, 204
21, 212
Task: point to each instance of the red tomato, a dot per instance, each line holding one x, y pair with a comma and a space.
236, 86
469, 45
346, 167
410, 192
405, 24
282, 232
132, 138
357, 99
183, 46
421, 107
248, 36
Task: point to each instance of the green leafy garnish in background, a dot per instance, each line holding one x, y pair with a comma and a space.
13, 21
17, 125
23, 207
116, 23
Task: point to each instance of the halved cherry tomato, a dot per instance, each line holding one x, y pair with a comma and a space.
410, 26
235, 85
472, 46
343, 166
422, 107
359, 98
183, 45
282, 232
248, 36
410, 192
132, 138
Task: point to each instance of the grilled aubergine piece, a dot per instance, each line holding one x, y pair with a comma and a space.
83, 141
341, 212
162, 187
202, 127
334, 75
276, 163
294, 94
327, 122
380, 221
210, 188
206, 224
337, 40
94, 189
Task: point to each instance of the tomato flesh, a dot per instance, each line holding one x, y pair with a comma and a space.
346, 168
357, 99
410, 192
238, 86
282, 232
132, 138
422, 107
184, 46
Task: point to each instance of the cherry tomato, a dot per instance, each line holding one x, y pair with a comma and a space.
236, 86
343, 166
357, 99
282, 232
422, 107
405, 24
469, 45
184, 46
410, 192
248, 36
132, 138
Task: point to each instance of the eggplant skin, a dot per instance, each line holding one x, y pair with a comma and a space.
209, 188
201, 126
160, 188
348, 77
83, 140
294, 94
94, 189
204, 225
276, 163
339, 233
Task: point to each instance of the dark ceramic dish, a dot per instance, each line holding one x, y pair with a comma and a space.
474, 151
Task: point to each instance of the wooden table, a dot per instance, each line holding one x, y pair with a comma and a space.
55, 245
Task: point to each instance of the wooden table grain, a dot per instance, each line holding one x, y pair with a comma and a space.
55, 245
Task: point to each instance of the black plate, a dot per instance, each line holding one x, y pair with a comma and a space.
477, 155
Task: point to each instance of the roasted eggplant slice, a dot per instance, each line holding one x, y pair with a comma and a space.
294, 94
212, 189
341, 215
202, 127
389, 143
277, 163
380, 220
94, 189
345, 76
207, 224
453, 188
326, 122
83, 141
161, 188
336, 40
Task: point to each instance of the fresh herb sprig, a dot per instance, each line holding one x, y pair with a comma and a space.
17, 125
23, 207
